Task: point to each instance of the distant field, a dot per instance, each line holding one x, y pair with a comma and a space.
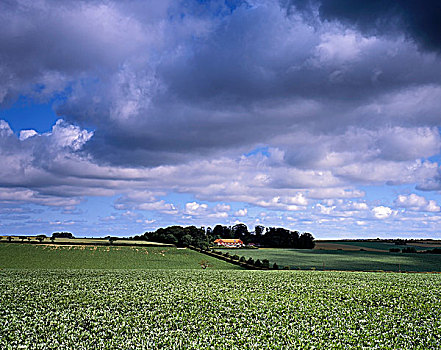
196, 309
97, 241
36, 256
344, 260
374, 245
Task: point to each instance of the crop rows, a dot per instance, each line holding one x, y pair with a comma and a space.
185, 309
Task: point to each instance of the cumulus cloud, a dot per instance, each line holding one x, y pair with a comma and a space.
241, 212
417, 203
382, 212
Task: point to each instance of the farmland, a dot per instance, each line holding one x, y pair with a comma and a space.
344, 260
203, 309
376, 245
107, 297
80, 241
40, 256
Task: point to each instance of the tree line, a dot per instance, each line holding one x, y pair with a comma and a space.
272, 237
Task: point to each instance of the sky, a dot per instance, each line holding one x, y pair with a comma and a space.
119, 117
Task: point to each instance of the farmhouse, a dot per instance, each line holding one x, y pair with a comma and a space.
231, 243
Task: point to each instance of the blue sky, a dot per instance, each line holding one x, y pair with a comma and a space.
122, 117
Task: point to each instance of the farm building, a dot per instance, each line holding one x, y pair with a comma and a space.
227, 242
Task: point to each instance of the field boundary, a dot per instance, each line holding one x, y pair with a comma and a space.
102, 244
227, 259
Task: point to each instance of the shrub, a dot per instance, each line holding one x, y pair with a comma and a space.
235, 257
409, 250
242, 259
250, 261
275, 266
265, 263
394, 250
258, 263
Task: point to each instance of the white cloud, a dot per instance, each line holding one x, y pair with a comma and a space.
382, 212
160, 206
195, 208
67, 135
417, 203
337, 47
25, 134
241, 212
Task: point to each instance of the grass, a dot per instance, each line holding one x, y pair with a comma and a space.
344, 260
36, 256
91, 241
196, 309
374, 245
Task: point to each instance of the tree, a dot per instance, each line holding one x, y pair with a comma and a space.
409, 250
62, 235
241, 231
220, 231
170, 238
306, 241
186, 240
111, 239
258, 230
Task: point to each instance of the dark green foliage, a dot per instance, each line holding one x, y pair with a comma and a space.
40, 238
306, 241
258, 263
394, 250
275, 266
409, 250
241, 231
198, 237
265, 263
242, 259
235, 257
62, 235
220, 231
250, 261
180, 236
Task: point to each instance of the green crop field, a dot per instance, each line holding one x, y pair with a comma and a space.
85, 297
38, 256
383, 246
344, 260
203, 309
84, 241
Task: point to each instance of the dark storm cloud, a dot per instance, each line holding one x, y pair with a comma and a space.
419, 20
176, 82
231, 82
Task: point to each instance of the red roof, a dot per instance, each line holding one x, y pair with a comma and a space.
228, 240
